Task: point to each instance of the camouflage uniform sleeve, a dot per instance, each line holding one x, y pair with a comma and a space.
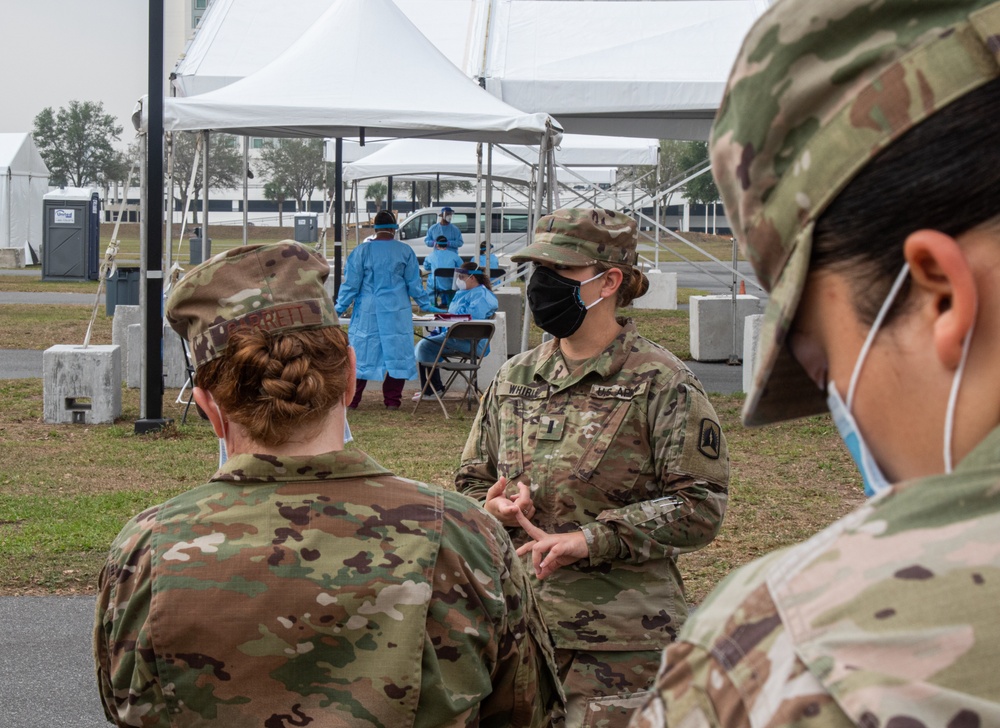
127, 677
525, 668
691, 464
478, 470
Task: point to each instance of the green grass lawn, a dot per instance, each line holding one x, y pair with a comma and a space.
66, 490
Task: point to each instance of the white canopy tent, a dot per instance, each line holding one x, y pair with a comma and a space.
649, 69
321, 88
407, 159
24, 180
236, 38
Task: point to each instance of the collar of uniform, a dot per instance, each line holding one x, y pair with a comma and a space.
271, 468
609, 362
984, 455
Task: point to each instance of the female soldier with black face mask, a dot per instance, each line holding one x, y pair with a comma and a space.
603, 454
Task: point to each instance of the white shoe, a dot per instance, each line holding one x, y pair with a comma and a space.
418, 396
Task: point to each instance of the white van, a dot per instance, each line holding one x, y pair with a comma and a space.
509, 233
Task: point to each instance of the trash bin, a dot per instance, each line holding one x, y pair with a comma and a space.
71, 234
306, 228
122, 290
195, 252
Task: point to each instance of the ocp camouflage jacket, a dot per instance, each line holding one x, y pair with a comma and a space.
627, 448
322, 591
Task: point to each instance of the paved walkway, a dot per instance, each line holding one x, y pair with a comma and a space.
46, 668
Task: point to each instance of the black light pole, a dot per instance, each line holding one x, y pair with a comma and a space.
153, 383
338, 215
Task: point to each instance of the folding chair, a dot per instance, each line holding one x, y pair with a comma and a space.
458, 364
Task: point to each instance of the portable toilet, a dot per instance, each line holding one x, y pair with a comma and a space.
307, 227
71, 231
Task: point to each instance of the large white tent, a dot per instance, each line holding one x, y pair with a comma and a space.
24, 180
649, 69
643, 68
320, 88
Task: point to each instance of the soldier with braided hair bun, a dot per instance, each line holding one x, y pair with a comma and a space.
305, 584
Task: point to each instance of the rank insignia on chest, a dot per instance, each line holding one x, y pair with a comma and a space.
551, 428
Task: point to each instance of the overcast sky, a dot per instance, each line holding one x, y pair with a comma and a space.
53, 51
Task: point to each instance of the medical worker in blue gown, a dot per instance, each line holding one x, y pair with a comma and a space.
382, 276
494, 263
473, 297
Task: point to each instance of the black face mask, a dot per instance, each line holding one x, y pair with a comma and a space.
555, 302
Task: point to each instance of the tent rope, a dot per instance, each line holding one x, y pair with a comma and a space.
109, 265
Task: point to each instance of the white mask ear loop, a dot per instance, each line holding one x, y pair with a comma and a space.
886, 305
599, 298
956, 382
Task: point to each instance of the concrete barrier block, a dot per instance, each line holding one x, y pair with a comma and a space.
751, 347
662, 293
511, 300
134, 343
125, 316
81, 385
11, 258
174, 367
711, 325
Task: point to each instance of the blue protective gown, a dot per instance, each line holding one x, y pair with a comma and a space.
494, 266
449, 231
381, 278
441, 258
480, 303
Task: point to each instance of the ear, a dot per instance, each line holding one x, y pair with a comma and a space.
207, 402
939, 268
352, 378
612, 282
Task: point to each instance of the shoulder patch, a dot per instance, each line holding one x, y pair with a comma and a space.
710, 439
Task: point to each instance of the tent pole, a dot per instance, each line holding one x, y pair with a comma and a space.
656, 212
204, 200
439, 188
489, 207
338, 219
152, 371
534, 210
246, 185
388, 195
479, 193
170, 202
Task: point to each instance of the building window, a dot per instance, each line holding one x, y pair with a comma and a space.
256, 142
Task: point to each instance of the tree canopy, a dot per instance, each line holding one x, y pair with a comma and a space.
295, 166
225, 164
678, 159
76, 143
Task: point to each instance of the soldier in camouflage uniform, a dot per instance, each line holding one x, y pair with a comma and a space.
857, 153
305, 584
611, 464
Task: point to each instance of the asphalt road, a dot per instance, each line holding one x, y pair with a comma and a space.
46, 668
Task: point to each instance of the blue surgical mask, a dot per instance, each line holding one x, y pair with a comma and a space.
874, 479
224, 454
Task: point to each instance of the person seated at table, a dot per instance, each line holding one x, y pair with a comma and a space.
442, 256
475, 298
494, 263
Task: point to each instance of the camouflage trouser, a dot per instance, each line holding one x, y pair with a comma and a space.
603, 688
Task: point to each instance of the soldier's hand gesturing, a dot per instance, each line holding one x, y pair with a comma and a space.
550, 551
503, 508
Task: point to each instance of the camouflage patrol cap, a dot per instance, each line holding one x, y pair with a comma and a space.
818, 90
276, 287
582, 236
